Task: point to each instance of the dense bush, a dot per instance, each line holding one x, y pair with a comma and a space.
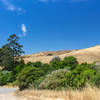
45, 67
56, 80
80, 76
88, 75
71, 62
18, 70
38, 81
5, 77
74, 80
37, 64
55, 65
27, 77
96, 79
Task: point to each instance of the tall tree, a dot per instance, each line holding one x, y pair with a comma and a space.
11, 52
16, 48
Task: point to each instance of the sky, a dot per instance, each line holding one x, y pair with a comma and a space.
51, 25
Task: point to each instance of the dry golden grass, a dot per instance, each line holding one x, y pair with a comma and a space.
88, 55
86, 94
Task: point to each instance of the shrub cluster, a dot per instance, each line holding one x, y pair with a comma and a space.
55, 80
5, 77
58, 74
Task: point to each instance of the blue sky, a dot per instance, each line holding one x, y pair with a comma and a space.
47, 25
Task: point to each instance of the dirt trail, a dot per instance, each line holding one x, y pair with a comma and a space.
7, 94
8, 97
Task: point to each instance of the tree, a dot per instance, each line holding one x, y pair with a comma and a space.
16, 48
10, 52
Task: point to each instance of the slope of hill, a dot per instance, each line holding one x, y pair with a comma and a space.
84, 55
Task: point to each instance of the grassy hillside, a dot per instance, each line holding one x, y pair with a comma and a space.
88, 55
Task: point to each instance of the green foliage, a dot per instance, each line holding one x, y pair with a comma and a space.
15, 83
56, 80
6, 59
74, 80
79, 77
56, 75
81, 68
5, 77
10, 52
18, 70
37, 82
27, 77
88, 75
46, 68
96, 79
71, 62
37, 64
15, 46
55, 65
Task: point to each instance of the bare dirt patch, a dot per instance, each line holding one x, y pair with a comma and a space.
8, 97
7, 93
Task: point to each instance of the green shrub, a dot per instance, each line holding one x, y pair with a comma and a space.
46, 68
38, 81
5, 77
42, 66
27, 77
18, 70
29, 64
80, 76
15, 83
81, 68
74, 81
55, 65
88, 75
71, 62
96, 79
35, 64
74, 78
56, 80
